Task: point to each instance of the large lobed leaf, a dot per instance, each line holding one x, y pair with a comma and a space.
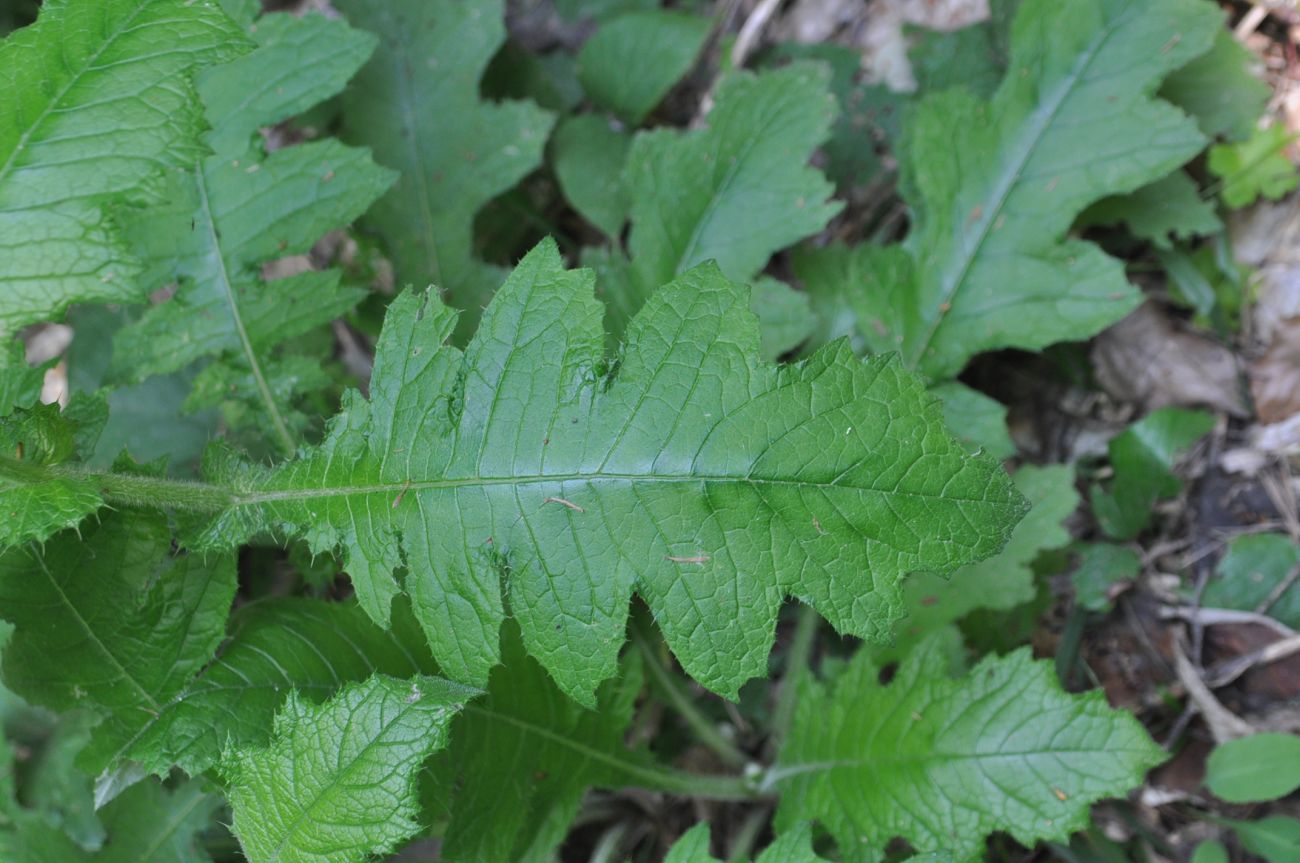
95, 99
709, 482
417, 105
337, 782
987, 263
735, 192
239, 207
942, 762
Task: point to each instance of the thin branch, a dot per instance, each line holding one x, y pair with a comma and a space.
752, 30
1228, 671
1280, 588
1224, 616
1223, 723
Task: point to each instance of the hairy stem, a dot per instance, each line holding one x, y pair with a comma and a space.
124, 489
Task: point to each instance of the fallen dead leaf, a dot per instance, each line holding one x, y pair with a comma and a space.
1275, 377
1266, 237
1149, 359
808, 21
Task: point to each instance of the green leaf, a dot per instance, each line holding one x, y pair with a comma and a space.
150, 824
1142, 457
1188, 280
55, 789
1256, 167
523, 742
1255, 564
633, 60
868, 118
826, 272
976, 420
794, 846
588, 153
1101, 565
942, 762
275, 647
1256, 768
35, 501
523, 757
20, 384
146, 420
785, 317
1004, 580
1210, 851
1276, 838
972, 57
692, 847
146, 824
735, 192
1168, 209
90, 110
987, 263
241, 207
112, 622
416, 104
521, 463
1219, 89
337, 782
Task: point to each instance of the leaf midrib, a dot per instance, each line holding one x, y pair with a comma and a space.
282, 435
783, 772
261, 497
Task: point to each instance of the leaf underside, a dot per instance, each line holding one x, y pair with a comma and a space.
239, 208
520, 471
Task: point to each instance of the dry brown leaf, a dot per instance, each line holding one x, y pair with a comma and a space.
809, 21
1275, 377
1149, 360
1266, 237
